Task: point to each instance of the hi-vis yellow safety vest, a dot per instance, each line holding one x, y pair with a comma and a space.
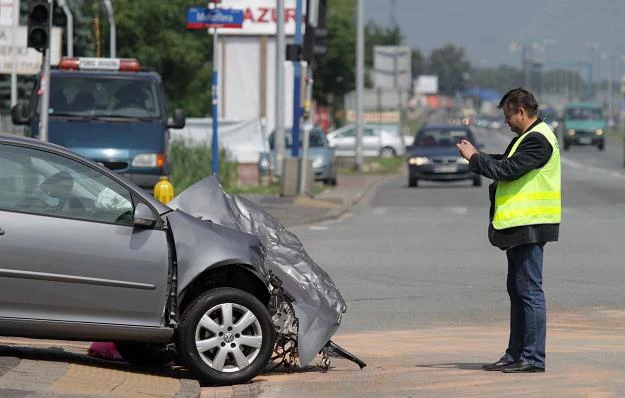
533, 198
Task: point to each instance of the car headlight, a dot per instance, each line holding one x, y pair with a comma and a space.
418, 161
318, 162
570, 132
149, 160
599, 132
461, 160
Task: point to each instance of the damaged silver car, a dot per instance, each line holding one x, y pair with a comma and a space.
87, 255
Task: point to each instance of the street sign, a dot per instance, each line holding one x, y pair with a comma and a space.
202, 18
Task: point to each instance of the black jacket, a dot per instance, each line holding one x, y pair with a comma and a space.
532, 153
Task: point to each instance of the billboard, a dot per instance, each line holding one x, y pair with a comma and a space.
28, 60
259, 17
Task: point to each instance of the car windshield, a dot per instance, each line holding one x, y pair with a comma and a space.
584, 113
317, 139
92, 97
440, 137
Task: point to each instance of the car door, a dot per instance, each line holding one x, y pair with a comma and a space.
69, 249
371, 141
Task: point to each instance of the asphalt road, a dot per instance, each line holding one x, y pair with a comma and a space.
411, 258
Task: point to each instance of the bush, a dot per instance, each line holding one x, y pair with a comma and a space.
191, 163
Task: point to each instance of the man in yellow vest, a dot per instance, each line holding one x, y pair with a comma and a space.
525, 214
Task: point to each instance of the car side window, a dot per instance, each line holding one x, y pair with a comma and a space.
50, 184
370, 132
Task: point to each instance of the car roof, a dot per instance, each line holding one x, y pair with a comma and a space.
18, 139
584, 105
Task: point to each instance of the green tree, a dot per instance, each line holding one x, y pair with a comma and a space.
451, 66
417, 63
334, 74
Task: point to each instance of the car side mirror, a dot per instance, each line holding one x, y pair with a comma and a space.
143, 216
178, 121
18, 115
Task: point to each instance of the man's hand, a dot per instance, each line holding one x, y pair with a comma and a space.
466, 149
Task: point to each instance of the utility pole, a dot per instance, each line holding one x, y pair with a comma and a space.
360, 81
297, 82
279, 111
45, 83
112, 30
69, 27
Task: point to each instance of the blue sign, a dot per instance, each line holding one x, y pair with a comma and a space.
202, 18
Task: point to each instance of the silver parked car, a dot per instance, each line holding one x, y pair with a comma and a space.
384, 140
87, 255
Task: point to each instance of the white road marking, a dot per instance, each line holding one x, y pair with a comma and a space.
380, 211
318, 228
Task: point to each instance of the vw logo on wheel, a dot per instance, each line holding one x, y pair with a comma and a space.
228, 337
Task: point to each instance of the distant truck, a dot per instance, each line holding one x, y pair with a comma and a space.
583, 124
110, 110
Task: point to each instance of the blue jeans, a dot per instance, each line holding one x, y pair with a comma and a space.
528, 312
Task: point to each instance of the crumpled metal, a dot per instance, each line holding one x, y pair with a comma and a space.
318, 304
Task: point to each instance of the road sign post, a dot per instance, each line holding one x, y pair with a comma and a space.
207, 18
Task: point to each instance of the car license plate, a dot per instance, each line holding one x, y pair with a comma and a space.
451, 168
585, 140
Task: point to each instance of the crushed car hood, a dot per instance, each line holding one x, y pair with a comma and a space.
317, 302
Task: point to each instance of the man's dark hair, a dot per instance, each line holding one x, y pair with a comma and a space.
519, 98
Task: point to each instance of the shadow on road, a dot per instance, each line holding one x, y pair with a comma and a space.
57, 354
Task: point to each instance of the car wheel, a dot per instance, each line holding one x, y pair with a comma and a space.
601, 145
225, 337
566, 146
387, 152
145, 354
477, 181
413, 181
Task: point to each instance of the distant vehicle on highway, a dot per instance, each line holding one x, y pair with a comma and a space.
434, 155
383, 140
583, 124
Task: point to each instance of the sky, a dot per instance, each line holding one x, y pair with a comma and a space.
492, 32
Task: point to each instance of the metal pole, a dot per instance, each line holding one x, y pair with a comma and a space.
360, 80
112, 29
45, 85
279, 111
304, 167
297, 82
69, 27
15, 22
215, 144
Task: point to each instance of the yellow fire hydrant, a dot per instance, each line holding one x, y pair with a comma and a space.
164, 190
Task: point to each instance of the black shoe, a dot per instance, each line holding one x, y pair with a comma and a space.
522, 367
499, 365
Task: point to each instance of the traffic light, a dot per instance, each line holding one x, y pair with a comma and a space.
38, 24
316, 32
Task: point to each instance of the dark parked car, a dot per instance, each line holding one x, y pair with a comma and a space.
434, 156
88, 255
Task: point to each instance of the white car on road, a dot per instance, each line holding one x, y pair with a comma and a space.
384, 140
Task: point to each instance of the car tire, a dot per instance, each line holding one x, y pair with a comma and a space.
234, 353
601, 145
413, 181
477, 181
387, 152
145, 354
566, 146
